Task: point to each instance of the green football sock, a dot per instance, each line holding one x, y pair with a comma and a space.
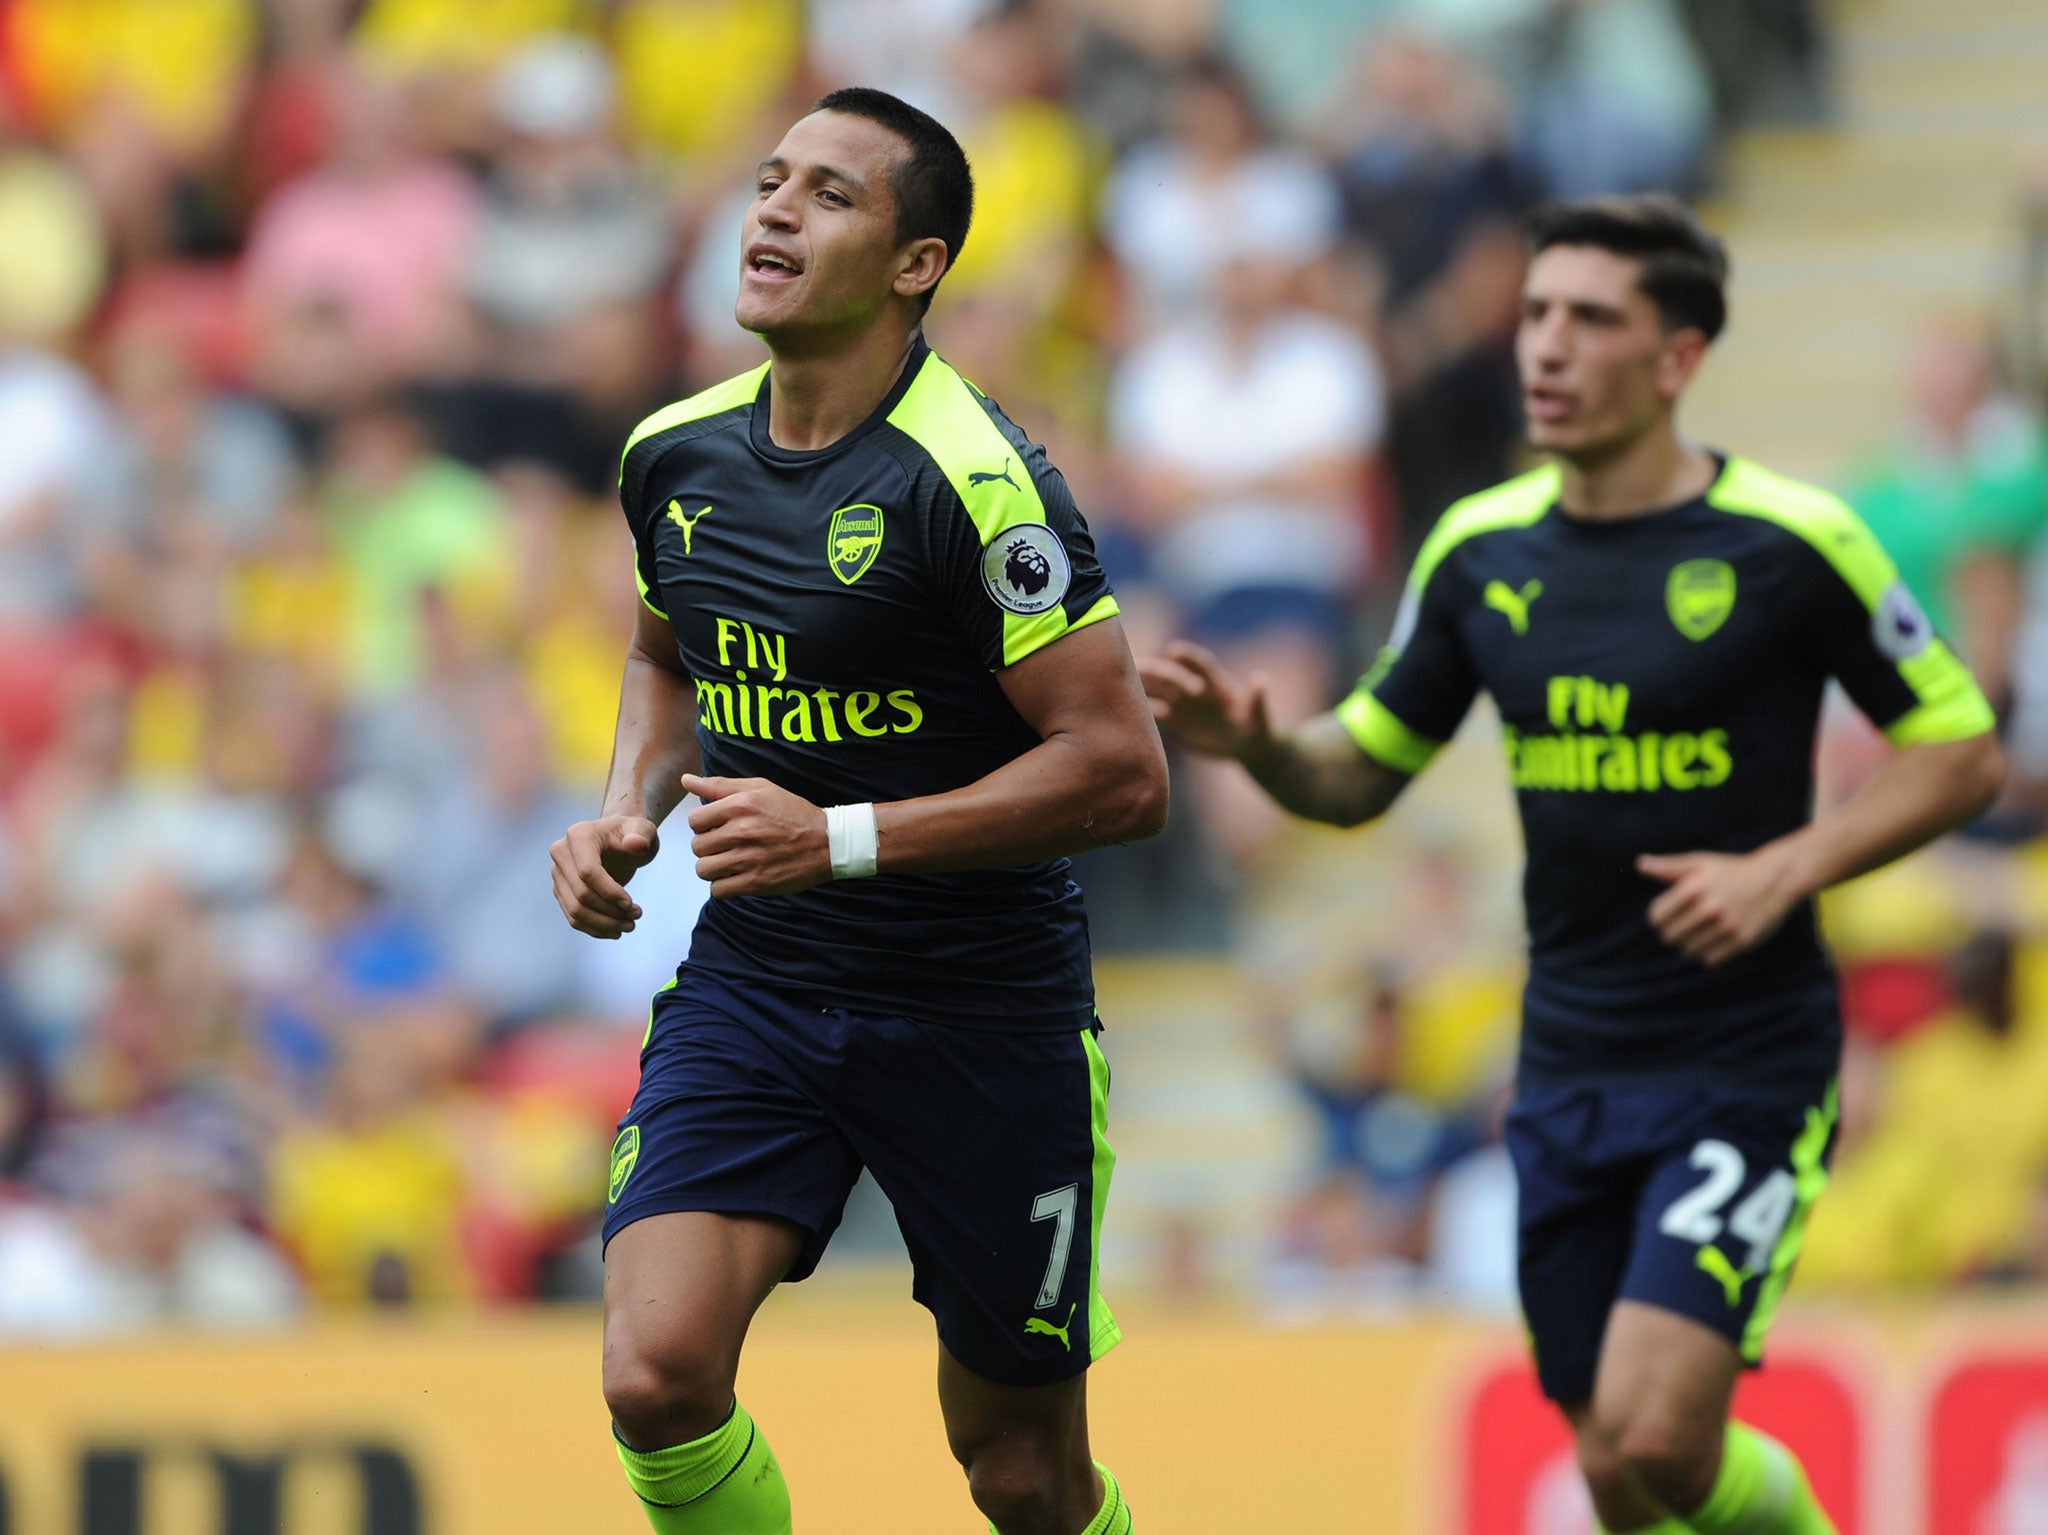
726, 1483
1762, 1490
1113, 1518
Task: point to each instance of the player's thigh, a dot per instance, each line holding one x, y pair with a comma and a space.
1724, 1210
1664, 1384
1575, 1214
993, 1148
724, 1122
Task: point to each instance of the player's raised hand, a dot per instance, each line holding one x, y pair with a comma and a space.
752, 838
592, 862
1719, 905
1202, 705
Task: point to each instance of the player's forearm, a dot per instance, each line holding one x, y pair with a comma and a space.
1922, 793
655, 742
1318, 773
1066, 795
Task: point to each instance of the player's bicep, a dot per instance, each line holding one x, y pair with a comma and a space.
654, 641
1083, 685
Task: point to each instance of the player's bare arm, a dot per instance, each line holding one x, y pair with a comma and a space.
1315, 771
1097, 777
653, 746
1720, 904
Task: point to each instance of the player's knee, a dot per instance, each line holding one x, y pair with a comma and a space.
665, 1396
1607, 1479
1015, 1480
1675, 1464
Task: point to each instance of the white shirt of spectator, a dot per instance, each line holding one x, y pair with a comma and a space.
1173, 228
1306, 388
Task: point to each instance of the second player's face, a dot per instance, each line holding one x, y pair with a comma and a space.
1598, 367
818, 252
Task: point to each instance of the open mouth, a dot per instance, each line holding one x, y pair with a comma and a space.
1548, 404
772, 266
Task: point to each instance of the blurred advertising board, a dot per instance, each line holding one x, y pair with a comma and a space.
1912, 1423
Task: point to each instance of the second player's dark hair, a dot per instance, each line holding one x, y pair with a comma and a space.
1685, 269
933, 186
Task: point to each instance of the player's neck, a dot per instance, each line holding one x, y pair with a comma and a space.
1654, 472
816, 398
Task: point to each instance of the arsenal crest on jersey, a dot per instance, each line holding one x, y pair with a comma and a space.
1700, 594
853, 541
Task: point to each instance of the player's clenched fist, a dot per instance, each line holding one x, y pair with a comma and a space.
593, 860
752, 838
1203, 706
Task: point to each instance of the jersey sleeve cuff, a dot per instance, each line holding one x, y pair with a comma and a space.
1382, 736
641, 582
1026, 636
1952, 707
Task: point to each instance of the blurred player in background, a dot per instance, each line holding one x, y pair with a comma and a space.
1657, 624
863, 583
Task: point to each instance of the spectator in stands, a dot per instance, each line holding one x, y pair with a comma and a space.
1363, 1219
1619, 101
369, 1198
1177, 210
421, 537
1035, 165
508, 949
353, 275
1432, 190
59, 492
1959, 495
53, 255
1246, 431
566, 223
164, 1247
698, 75
351, 958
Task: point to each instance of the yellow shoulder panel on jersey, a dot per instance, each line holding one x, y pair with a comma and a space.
706, 402
1380, 733
1511, 504
1951, 706
1823, 520
944, 415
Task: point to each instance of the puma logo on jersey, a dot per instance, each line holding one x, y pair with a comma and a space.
684, 521
1503, 598
983, 477
1714, 1263
1039, 1324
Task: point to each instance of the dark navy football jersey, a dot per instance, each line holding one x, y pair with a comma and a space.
1659, 681
844, 613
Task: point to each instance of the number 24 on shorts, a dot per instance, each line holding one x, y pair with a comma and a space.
1759, 1220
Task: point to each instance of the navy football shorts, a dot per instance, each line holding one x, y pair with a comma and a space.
989, 1143
1692, 1197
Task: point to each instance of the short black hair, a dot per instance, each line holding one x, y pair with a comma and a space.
933, 186
1685, 269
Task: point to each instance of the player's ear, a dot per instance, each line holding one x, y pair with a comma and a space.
1684, 350
924, 263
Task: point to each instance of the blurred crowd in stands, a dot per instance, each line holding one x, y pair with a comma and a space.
321, 325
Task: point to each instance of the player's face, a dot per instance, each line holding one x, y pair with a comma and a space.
1598, 366
818, 251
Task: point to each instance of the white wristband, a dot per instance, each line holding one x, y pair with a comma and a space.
854, 843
